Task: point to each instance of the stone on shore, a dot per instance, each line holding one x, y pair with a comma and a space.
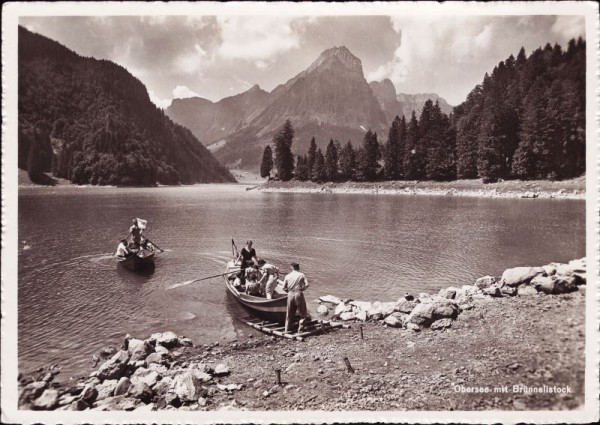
185, 342
106, 389
492, 291
47, 401
322, 311
32, 391
441, 324
330, 299
115, 366
485, 282
342, 307
166, 339
395, 320
145, 376
405, 306
141, 391
221, 370
347, 315
426, 313
520, 275
120, 402
189, 388
526, 290
155, 358
554, 284
122, 386
139, 351
89, 393
448, 293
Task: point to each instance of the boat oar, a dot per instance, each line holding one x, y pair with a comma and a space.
189, 282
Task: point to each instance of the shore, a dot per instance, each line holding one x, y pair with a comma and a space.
566, 189
436, 355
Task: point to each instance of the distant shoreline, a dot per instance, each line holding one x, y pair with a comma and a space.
566, 189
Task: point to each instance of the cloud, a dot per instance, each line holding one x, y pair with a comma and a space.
569, 26
182, 92
192, 61
158, 101
269, 35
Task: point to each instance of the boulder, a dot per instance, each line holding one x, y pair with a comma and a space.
361, 305
362, 315
557, 284
145, 376
185, 342
405, 306
441, 324
322, 311
79, 405
520, 275
388, 308
114, 367
448, 293
133, 343
32, 391
121, 402
526, 290
492, 291
221, 370
155, 358
166, 339
122, 386
106, 389
189, 388
394, 320
347, 315
413, 327
161, 350
89, 393
163, 386
485, 282
158, 368
141, 391
550, 269
47, 401
202, 376
342, 308
375, 313
108, 352
508, 291
330, 299
425, 314
140, 351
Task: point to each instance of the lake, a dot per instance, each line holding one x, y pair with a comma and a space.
74, 300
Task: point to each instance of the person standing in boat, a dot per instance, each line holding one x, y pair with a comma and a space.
247, 255
268, 281
294, 284
136, 233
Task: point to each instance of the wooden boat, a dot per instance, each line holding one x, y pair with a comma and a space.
274, 309
142, 260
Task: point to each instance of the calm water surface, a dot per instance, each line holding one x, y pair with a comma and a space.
73, 299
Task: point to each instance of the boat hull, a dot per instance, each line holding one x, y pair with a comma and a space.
271, 309
138, 263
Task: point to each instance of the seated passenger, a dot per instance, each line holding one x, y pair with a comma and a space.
252, 285
122, 250
238, 283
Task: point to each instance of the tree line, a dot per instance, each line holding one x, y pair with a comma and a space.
526, 120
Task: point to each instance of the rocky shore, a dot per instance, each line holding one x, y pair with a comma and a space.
568, 189
520, 335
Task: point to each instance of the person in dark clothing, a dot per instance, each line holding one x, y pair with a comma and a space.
247, 255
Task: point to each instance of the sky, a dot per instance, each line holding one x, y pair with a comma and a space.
218, 56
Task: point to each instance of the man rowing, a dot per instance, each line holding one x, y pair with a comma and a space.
247, 254
136, 232
294, 284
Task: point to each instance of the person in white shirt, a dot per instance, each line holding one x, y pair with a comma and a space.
268, 281
294, 284
122, 250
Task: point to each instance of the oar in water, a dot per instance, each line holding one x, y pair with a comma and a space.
159, 248
188, 282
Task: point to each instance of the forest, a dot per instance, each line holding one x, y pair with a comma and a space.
526, 120
91, 122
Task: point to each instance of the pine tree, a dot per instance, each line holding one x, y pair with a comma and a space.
331, 161
347, 162
410, 152
266, 164
284, 160
312, 151
368, 160
393, 152
301, 168
319, 172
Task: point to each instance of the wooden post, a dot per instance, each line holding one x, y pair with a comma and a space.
361, 332
278, 373
348, 365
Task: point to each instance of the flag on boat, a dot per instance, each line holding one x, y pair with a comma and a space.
141, 223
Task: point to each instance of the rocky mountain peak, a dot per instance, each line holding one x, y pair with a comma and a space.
341, 54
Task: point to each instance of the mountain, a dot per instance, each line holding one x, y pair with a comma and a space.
403, 104
211, 121
329, 100
90, 121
